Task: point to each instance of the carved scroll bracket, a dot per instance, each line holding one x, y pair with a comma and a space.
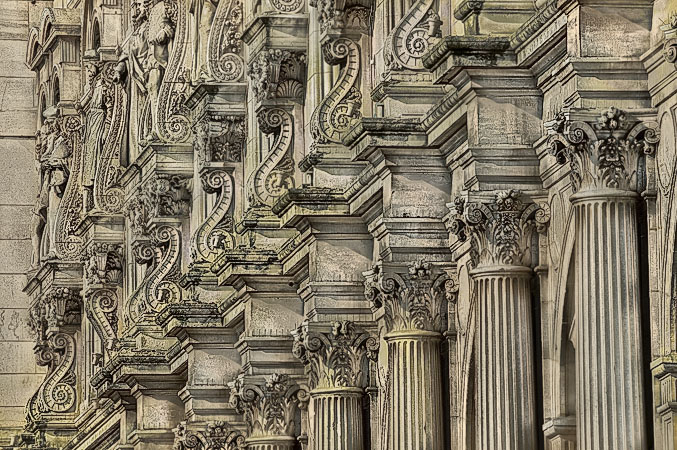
215, 435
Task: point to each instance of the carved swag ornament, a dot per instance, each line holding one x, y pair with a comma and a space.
335, 359
606, 154
501, 231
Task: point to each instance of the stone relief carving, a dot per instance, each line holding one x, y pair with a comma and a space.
417, 31
500, 231
216, 232
604, 154
277, 73
219, 139
216, 435
411, 301
335, 359
287, 6
341, 14
103, 264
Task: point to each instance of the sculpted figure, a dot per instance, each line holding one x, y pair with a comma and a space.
203, 12
93, 103
146, 60
53, 159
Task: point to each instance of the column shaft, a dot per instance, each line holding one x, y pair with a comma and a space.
273, 443
608, 353
337, 419
505, 413
415, 386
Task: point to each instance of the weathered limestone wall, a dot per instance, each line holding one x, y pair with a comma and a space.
19, 375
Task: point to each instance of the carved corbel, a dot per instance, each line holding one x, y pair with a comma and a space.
278, 73
411, 301
216, 435
500, 231
224, 47
604, 154
338, 358
270, 408
416, 32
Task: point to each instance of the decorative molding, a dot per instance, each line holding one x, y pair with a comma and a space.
337, 15
287, 6
216, 435
500, 232
416, 32
605, 154
277, 73
275, 173
225, 43
269, 408
341, 108
335, 359
216, 232
410, 301
62, 307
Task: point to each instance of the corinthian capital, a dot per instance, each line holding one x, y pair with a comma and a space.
605, 153
413, 300
269, 407
335, 358
500, 231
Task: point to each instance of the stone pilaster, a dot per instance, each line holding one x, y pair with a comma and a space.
412, 305
336, 361
605, 158
500, 233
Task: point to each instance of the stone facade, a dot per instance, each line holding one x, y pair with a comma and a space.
342, 225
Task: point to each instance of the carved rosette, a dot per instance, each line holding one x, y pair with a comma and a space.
216, 232
287, 6
411, 301
225, 43
417, 31
606, 154
213, 436
336, 359
500, 232
270, 408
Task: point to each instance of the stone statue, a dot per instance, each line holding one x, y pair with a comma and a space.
203, 12
93, 103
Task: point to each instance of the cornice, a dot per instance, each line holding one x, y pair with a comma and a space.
483, 49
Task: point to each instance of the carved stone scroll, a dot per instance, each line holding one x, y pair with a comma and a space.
414, 34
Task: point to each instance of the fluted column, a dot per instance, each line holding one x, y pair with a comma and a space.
335, 356
605, 158
500, 227
412, 305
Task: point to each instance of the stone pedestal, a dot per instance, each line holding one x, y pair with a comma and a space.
415, 386
608, 354
336, 419
505, 412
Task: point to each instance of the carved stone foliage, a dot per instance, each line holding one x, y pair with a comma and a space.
277, 73
219, 139
225, 42
62, 307
57, 393
269, 408
159, 196
606, 154
275, 173
500, 231
337, 15
335, 359
103, 263
670, 45
411, 301
104, 107
216, 232
216, 435
413, 35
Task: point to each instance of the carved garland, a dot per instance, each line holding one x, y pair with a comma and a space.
415, 33
216, 232
225, 42
340, 109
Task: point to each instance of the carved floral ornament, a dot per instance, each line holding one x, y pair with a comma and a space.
277, 73
337, 14
411, 301
103, 263
160, 196
606, 154
215, 436
336, 359
62, 307
269, 408
219, 139
501, 231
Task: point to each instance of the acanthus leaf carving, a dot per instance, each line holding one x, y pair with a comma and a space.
62, 307
103, 263
269, 408
417, 31
219, 139
606, 154
217, 435
337, 358
411, 301
500, 231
